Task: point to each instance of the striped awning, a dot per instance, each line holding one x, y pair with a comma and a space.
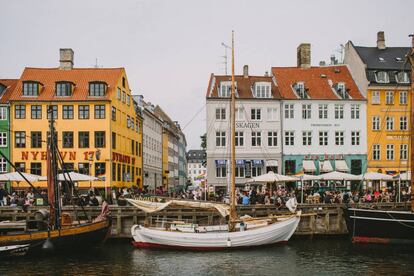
325, 166
308, 166
341, 166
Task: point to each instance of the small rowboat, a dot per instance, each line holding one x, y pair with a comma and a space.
14, 250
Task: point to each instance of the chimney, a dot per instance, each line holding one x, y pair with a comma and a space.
304, 55
381, 40
245, 71
66, 59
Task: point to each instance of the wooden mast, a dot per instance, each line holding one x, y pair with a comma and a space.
233, 212
411, 57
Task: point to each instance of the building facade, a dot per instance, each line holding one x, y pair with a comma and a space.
383, 74
170, 153
196, 165
97, 129
6, 88
182, 159
258, 128
323, 118
152, 146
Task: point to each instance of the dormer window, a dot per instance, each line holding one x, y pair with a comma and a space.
262, 90
31, 88
382, 77
300, 90
341, 91
97, 89
402, 77
63, 89
2, 88
224, 89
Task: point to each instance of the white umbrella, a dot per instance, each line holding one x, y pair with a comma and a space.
339, 176
376, 176
15, 176
306, 177
74, 176
271, 177
405, 176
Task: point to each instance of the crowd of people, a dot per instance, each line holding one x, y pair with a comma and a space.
251, 196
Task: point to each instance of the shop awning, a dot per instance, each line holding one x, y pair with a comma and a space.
240, 163
308, 166
325, 166
221, 163
257, 163
341, 166
272, 163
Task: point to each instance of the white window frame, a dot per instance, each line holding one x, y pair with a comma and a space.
3, 113
256, 114
403, 97
289, 111
355, 111
3, 139
390, 152
339, 138
389, 97
306, 138
272, 139
220, 138
389, 123
220, 113
262, 90
376, 123
240, 114
256, 139
404, 79
376, 152
306, 111
404, 152
323, 111
385, 75
239, 136
403, 123
376, 97
289, 138
355, 138
272, 114
339, 111
323, 138
3, 165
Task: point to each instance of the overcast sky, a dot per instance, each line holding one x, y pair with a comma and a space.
170, 48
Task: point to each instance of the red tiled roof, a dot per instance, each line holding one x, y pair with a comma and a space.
10, 86
243, 85
317, 87
79, 76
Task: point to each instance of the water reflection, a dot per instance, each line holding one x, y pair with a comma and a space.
315, 257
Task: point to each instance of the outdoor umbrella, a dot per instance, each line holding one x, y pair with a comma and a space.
339, 176
74, 176
306, 177
405, 176
271, 177
376, 176
15, 176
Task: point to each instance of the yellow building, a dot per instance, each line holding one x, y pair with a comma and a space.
98, 129
383, 75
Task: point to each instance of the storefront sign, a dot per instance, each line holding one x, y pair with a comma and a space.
41, 155
122, 158
247, 125
324, 157
397, 137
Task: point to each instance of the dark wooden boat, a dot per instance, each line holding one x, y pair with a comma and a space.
379, 226
52, 230
384, 226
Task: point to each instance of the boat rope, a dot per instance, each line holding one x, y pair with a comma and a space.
400, 222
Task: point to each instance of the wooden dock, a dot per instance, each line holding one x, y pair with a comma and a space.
317, 219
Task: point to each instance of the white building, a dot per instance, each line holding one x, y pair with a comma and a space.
196, 165
258, 147
151, 146
324, 118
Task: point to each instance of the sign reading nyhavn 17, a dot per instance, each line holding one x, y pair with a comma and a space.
71, 156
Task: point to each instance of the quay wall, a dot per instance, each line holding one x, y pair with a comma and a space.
317, 219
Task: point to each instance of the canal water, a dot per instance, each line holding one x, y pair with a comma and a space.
298, 257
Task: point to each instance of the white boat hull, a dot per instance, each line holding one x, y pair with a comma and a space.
280, 231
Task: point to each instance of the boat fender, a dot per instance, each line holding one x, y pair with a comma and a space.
242, 226
48, 245
228, 242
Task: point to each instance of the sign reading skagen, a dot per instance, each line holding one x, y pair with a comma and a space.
247, 125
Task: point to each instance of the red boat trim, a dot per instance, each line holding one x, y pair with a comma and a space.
370, 240
196, 248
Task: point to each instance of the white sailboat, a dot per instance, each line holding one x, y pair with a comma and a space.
240, 232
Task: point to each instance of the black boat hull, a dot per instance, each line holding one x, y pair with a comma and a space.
70, 239
379, 226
